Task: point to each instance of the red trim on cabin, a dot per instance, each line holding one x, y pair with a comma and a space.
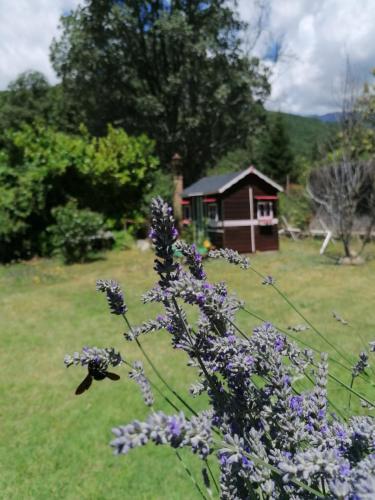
209, 200
265, 221
266, 197
185, 202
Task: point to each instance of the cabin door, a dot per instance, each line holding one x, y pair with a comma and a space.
252, 220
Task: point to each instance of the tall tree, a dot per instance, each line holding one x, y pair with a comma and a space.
276, 157
173, 69
29, 99
25, 100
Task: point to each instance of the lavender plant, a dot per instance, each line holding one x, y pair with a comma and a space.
270, 439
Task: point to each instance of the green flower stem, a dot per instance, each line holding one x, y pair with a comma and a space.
212, 476
350, 394
158, 374
297, 339
188, 472
301, 315
201, 364
361, 396
156, 388
329, 375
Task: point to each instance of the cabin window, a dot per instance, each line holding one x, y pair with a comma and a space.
264, 210
212, 212
186, 212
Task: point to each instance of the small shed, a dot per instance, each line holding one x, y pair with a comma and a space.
238, 210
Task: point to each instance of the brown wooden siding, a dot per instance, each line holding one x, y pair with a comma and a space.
266, 238
238, 238
236, 202
260, 187
236, 199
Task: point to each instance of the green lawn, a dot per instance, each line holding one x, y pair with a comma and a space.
54, 444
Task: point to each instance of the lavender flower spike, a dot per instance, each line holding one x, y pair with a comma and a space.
193, 259
114, 294
163, 235
138, 374
231, 256
105, 357
361, 364
97, 362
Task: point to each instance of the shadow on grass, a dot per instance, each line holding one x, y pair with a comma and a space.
88, 259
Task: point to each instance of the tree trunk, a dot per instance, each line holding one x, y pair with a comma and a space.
346, 244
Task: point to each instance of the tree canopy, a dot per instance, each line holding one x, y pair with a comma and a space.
41, 169
174, 70
30, 98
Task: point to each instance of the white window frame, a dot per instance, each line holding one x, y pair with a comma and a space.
264, 210
212, 212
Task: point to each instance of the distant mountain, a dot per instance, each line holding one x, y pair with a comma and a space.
329, 117
307, 132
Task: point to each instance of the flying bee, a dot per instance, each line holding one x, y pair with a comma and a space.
97, 371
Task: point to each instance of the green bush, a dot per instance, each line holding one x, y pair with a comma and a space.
295, 206
41, 168
76, 232
124, 239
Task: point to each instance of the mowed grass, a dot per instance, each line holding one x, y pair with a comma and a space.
54, 444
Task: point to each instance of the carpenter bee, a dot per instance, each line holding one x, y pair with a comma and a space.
97, 371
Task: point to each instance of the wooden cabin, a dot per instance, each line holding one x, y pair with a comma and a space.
237, 210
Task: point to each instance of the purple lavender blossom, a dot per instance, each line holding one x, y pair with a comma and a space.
344, 470
361, 364
163, 235
115, 296
341, 433
193, 259
138, 375
270, 442
174, 426
279, 344
247, 464
268, 280
296, 404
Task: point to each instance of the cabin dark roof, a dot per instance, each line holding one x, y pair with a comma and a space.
209, 185
220, 183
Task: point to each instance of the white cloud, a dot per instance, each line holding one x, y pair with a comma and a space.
318, 36
26, 30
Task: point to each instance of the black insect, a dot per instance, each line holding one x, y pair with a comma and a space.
97, 371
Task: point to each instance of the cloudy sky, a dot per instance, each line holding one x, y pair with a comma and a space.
316, 38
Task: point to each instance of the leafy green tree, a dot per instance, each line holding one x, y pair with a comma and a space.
42, 168
25, 100
172, 69
29, 99
233, 161
275, 156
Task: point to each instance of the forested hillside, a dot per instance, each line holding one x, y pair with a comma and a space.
306, 133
